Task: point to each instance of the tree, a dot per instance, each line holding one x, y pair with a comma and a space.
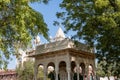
40, 74
103, 71
19, 23
98, 23
26, 72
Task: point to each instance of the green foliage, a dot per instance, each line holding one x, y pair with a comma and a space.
19, 23
98, 23
100, 69
26, 72
40, 75
106, 69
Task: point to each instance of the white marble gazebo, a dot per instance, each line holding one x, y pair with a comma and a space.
66, 57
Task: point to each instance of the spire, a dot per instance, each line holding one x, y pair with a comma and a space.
59, 35
37, 41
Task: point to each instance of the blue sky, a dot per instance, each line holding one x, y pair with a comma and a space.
49, 13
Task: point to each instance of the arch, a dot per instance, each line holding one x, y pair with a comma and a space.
73, 66
62, 71
51, 71
62, 64
51, 64
73, 70
90, 69
82, 68
40, 72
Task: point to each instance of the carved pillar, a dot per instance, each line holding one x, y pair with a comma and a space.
78, 71
93, 66
56, 70
86, 69
35, 71
69, 67
45, 72
69, 71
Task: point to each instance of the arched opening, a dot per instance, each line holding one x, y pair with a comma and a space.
73, 66
73, 71
82, 68
40, 73
62, 71
90, 72
82, 74
90, 69
51, 71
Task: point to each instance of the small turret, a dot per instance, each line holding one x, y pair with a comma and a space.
59, 35
37, 40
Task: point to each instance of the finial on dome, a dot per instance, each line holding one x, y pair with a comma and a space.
59, 35
51, 39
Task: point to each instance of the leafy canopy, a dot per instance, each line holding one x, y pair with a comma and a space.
25, 72
19, 23
98, 23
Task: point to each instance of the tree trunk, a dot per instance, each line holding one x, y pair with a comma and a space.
108, 77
